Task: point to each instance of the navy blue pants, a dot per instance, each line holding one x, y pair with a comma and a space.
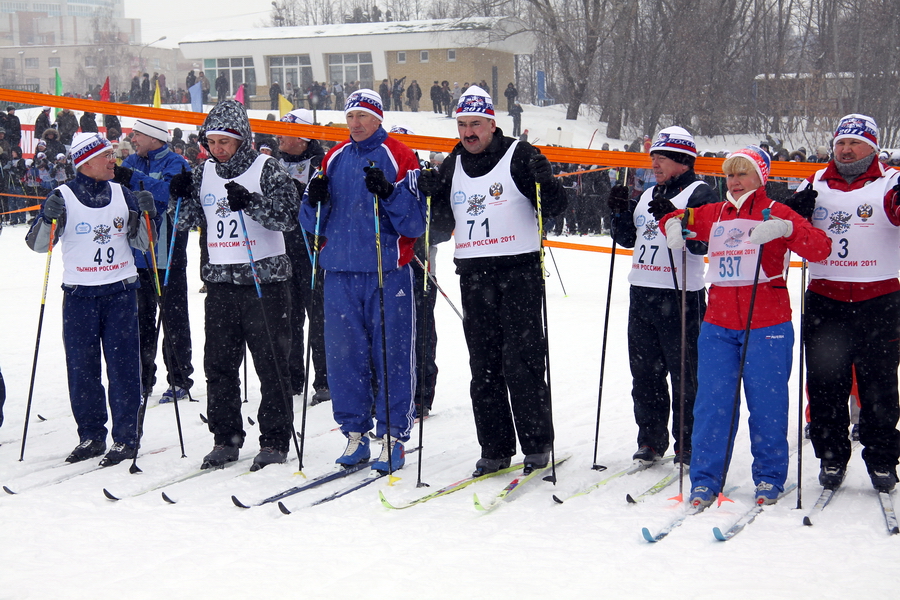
765, 386
354, 350
177, 328
92, 324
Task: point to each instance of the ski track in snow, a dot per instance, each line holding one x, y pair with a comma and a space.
68, 541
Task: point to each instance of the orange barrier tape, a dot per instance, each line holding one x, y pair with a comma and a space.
422, 142
22, 196
605, 250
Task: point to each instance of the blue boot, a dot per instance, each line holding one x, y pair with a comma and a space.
398, 456
357, 450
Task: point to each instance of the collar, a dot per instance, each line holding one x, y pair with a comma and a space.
159, 152
875, 171
373, 141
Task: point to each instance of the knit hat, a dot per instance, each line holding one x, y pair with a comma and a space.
758, 157
475, 103
367, 101
858, 127
155, 129
674, 139
303, 116
86, 146
401, 129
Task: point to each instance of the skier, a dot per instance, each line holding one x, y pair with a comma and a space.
98, 222
300, 157
239, 187
369, 163
654, 315
853, 304
722, 336
151, 168
497, 257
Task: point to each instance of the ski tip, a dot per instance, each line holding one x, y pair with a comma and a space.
629, 499
109, 496
478, 505
238, 503
166, 498
719, 535
894, 531
41, 418
284, 509
251, 421
8, 491
202, 418
807, 521
648, 536
556, 499
723, 498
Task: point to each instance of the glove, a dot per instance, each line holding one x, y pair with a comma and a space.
675, 235
896, 189
772, 229
301, 187
122, 175
377, 183
429, 182
804, 202
539, 165
146, 202
238, 196
180, 185
618, 199
54, 207
317, 190
660, 206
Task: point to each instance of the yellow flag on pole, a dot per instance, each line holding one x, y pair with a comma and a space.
284, 105
157, 102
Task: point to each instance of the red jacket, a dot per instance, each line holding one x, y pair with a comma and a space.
728, 306
856, 291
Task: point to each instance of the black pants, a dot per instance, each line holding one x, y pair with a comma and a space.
503, 326
176, 334
235, 315
654, 352
305, 302
865, 334
426, 338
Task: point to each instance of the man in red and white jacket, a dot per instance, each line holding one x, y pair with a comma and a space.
853, 304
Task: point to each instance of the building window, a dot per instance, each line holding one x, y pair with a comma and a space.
9, 63
236, 70
451, 55
293, 70
401, 57
32, 63
423, 56
344, 68
54, 61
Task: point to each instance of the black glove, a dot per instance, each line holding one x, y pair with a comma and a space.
317, 190
238, 196
429, 182
54, 207
618, 199
146, 202
377, 183
540, 167
804, 202
122, 175
180, 185
300, 187
660, 206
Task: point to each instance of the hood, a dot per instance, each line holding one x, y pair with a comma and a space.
50, 130
231, 116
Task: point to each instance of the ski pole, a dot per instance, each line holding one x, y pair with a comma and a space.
387, 403
37, 342
289, 414
683, 365
800, 412
426, 333
438, 287
537, 192
729, 449
306, 372
558, 276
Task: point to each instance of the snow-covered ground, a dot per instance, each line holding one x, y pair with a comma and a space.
66, 540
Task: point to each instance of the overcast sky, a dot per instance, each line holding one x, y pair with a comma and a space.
177, 18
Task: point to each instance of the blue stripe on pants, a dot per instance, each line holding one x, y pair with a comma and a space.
765, 382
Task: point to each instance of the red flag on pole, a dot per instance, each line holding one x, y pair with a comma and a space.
104, 91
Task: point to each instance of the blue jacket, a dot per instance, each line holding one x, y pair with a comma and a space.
348, 219
155, 172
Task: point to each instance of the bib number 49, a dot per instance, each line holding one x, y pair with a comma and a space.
110, 256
